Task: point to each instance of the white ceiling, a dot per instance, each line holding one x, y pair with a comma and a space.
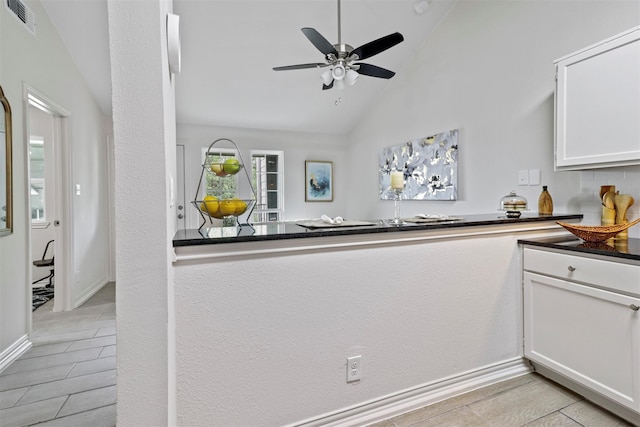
229, 48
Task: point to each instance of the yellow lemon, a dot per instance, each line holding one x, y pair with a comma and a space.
241, 207
210, 205
227, 207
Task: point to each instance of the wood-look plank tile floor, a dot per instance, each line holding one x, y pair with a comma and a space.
529, 400
68, 377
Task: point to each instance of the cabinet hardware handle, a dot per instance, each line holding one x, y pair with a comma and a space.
634, 307
571, 268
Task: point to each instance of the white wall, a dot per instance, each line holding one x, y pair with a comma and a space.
145, 161
263, 337
43, 63
297, 148
488, 71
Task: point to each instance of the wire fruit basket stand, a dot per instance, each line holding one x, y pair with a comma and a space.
219, 209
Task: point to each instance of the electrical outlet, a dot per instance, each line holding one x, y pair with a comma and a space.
354, 368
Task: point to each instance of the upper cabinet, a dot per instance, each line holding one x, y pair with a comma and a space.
597, 105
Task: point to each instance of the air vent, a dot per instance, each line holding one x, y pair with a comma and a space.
23, 13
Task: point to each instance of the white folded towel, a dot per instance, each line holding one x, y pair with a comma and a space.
432, 216
329, 220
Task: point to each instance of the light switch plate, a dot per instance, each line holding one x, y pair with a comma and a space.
523, 177
534, 176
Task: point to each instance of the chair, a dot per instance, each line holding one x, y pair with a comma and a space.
46, 262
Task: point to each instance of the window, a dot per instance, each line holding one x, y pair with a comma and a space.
267, 179
37, 187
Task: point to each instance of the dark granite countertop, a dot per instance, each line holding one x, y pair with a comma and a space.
291, 230
617, 248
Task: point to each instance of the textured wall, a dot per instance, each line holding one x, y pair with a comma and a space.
144, 140
263, 340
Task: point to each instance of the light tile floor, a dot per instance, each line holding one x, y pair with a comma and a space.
68, 377
530, 400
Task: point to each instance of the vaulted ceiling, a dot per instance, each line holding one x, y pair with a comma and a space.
229, 49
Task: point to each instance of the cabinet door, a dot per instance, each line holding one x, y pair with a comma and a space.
598, 105
589, 335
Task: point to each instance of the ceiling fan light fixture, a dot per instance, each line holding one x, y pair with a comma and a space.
351, 77
338, 72
327, 77
340, 57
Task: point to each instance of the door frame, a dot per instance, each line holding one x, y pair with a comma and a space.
180, 187
63, 209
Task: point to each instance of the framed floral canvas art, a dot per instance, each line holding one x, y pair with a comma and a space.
429, 166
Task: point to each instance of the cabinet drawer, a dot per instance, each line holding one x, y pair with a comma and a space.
615, 276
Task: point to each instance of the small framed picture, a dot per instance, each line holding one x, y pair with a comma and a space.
318, 181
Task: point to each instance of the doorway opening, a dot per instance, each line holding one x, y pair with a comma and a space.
49, 242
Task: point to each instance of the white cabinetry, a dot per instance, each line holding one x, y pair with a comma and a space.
597, 106
582, 321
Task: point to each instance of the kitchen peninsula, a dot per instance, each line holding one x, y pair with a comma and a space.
433, 310
291, 230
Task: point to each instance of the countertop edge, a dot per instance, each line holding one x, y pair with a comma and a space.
197, 239
582, 247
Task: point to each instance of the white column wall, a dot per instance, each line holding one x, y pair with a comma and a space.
145, 159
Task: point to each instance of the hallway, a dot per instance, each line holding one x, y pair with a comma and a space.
68, 377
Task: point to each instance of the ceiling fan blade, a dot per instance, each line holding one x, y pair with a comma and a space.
319, 41
374, 71
300, 66
329, 86
375, 47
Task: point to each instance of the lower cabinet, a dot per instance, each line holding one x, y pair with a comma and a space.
582, 321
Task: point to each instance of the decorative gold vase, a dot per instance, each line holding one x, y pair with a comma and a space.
545, 202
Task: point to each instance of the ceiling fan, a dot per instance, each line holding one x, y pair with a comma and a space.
341, 58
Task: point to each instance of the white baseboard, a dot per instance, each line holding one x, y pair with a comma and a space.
14, 351
409, 400
89, 292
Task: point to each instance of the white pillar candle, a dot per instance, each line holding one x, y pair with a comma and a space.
397, 180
